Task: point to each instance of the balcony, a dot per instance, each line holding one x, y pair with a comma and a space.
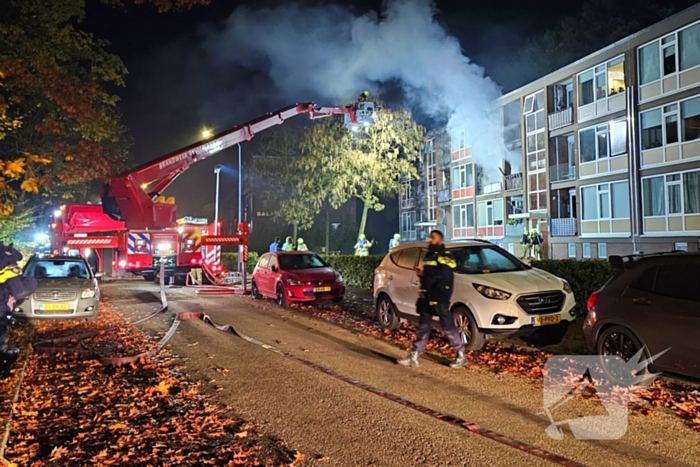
445, 159
561, 173
514, 182
514, 230
564, 227
561, 118
444, 196
489, 188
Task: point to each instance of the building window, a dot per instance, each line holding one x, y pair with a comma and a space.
462, 216
431, 170
536, 162
671, 194
407, 200
572, 250
606, 201
586, 250
676, 52
690, 116
408, 225
601, 141
602, 250
602, 81
661, 127
680, 246
563, 96
511, 123
458, 140
462, 176
490, 213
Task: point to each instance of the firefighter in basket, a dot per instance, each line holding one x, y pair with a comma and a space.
362, 246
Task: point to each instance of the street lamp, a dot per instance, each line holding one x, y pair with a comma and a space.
217, 171
207, 133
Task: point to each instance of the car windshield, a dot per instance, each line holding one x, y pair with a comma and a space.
484, 260
57, 269
288, 262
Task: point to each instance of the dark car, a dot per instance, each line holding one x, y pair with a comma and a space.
296, 277
652, 302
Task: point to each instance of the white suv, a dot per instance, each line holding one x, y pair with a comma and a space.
495, 294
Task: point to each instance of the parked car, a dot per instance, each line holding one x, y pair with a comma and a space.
68, 289
495, 294
296, 277
652, 302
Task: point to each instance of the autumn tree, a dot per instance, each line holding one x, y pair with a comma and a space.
338, 164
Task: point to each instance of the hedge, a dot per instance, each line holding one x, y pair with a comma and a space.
230, 261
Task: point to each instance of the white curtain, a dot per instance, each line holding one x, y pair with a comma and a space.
689, 47
653, 196
691, 192
649, 64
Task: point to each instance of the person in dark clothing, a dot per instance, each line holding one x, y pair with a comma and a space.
436, 283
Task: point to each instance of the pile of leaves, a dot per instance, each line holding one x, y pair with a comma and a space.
78, 412
681, 399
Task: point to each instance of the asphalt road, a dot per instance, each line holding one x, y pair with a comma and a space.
342, 425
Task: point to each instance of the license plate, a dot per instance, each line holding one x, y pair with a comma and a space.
322, 289
53, 307
545, 320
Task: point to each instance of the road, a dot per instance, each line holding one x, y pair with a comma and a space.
343, 425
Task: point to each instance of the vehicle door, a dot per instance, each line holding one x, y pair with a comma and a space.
666, 304
273, 272
404, 283
262, 274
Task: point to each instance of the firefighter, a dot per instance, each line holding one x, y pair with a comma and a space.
394, 242
362, 246
13, 287
536, 241
525, 242
436, 283
301, 246
288, 244
363, 97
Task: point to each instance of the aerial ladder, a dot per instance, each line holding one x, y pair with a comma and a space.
136, 197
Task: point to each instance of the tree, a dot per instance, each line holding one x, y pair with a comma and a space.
339, 165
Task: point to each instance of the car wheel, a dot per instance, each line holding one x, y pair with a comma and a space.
254, 292
386, 314
468, 330
337, 299
618, 341
280, 297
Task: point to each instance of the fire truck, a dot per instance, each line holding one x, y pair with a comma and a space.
136, 227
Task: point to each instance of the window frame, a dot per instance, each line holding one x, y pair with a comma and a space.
408, 219
604, 249
603, 129
603, 189
460, 211
670, 109
667, 215
597, 71
461, 171
585, 255
489, 207
660, 46
569, 247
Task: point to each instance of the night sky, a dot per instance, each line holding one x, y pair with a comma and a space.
174, 87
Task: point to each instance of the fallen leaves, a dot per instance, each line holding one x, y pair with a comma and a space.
78, 412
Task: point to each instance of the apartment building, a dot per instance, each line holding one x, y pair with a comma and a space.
601, 156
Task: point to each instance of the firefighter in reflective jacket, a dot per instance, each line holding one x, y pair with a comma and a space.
13, 287
436, 282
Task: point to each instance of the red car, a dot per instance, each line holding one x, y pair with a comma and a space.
296, 277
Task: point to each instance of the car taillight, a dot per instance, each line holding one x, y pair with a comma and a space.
193, 261
592, 300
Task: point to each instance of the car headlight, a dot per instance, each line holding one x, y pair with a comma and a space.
567, 286
339, 278
294, 282
88, 293
490, 292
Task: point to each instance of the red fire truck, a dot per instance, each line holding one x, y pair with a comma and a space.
139, 213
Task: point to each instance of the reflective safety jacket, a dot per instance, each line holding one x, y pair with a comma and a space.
437, 280
8, 273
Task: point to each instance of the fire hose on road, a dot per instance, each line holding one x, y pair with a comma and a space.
54, 347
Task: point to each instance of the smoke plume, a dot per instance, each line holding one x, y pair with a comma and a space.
332, 53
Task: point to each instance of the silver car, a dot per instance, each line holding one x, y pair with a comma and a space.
67, 289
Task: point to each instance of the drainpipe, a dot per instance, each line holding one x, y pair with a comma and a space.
633, 179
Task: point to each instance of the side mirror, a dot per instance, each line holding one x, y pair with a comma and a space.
273, 269
99, 275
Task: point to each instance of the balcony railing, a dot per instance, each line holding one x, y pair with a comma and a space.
561, 118
445, 159
565, 227
561, 173
489, 188
515, 230
444, 196
514, 182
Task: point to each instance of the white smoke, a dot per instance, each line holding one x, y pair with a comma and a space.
332, 53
